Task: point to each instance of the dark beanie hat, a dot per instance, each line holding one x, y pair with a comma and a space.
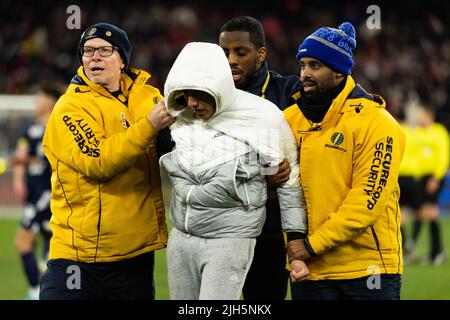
114, 35
334, 47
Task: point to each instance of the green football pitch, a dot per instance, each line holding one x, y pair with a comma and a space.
420, 281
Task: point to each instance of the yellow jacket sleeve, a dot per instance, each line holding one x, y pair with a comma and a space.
76, 136
378, 149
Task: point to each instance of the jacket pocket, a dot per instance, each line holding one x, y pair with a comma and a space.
249, 185
169, 162
90, 224
366, 240
89, 195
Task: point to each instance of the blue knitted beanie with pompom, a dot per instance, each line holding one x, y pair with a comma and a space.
333, 47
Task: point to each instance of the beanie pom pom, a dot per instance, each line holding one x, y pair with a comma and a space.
349, 30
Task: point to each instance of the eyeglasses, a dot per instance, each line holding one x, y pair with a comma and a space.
106, 51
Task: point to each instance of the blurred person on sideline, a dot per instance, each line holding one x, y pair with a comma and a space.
226, 141
431, 157
350, 153
107, 207
243, 41
31, 183
411, 195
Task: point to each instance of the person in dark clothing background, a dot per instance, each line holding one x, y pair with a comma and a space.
31, 181
243, 40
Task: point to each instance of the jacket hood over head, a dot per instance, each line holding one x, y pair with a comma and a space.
204, 67
239, 114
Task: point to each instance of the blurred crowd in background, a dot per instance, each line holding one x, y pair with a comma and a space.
407, 59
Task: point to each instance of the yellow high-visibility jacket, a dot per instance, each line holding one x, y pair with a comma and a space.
349, 169
427, 151
434, 151
106, 199
410, 166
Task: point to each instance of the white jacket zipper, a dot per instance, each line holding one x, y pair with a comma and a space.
188, 209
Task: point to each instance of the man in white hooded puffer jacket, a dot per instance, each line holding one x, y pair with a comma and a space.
226, 141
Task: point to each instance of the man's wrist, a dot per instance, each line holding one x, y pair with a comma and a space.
308, 247
295, 236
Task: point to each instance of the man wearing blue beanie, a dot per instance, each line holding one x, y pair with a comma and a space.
108, 213
350, 153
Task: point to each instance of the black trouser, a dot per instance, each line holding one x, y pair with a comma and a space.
387, 288
268, 277
124, 280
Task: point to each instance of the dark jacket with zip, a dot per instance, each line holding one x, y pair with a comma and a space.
281, 90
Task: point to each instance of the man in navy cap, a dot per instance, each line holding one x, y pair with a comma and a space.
350, 153
107, 207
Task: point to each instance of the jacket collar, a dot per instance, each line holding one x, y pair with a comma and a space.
351, 92
257, 80
130, 78
343, 102
338, 103
337, 106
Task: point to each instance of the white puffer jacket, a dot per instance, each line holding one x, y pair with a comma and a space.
226, 157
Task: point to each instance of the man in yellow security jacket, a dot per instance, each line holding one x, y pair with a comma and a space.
350, 152
107, 208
